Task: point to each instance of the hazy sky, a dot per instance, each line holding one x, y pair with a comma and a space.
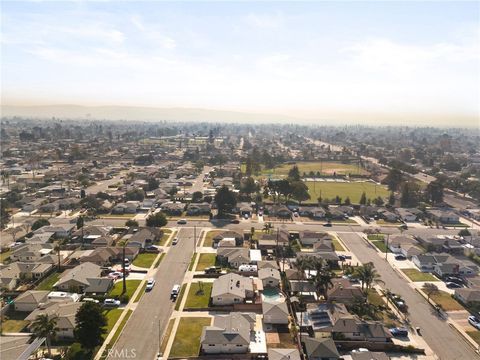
268, 57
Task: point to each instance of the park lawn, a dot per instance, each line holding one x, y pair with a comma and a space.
208, 242
145, 260
337, 245
197, 299
416, 275
475, 335
165, 236
132, 285
13, 326
446, 301
375, 298
180, 296
352, 190
380, 245
48, 282
5, 255
205, 261
323, 167
187, 338
112, 316
376, 237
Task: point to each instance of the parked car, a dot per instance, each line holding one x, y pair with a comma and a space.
175, 241
328, 224
152, 249
401, 332
150, 284
455, 280
452, 285
175, 292
182, 221
115, 275
400, 257
344, 257
213, 270
87, 299
111, 303
474, 321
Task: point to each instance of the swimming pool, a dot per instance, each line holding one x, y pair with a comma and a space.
272, 294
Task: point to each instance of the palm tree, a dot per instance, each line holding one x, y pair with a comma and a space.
57, 249
300, 265
45, 327
367, 275
322, 278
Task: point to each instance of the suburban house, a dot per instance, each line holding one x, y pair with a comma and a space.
11, 274
453, 266
309, 238
30, 252
173, 208
443, 216
229, 334
228, 235
283, 354
426, 262
321, 349
355, 329
84, 278
198, 209
144, 237
106, 256
269, 277
103, 241
387, 215
64, 312
315, 213
129, 207
344, 292
275, 312
267, 264
59, 231
30, 300
397, 242
408, 215
231, 289
280, 211
233, 256
90, 233
468, 296
320, 317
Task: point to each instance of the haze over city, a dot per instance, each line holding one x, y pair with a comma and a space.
396, 63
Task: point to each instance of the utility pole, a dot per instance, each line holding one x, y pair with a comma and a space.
124, 289
194, 238
386, 248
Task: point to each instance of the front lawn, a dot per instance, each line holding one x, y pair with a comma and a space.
13, 326
5, 255
375, 298
165, 236
112, 317
416, 275
337, 245
205, 261
145, 260
48, 282
380, 245
187, 338
446, 301
208, 242
199, 298
118, 287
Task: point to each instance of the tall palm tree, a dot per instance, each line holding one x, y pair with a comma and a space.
57, 249
367, 276
300, 265
322, 278
45, 326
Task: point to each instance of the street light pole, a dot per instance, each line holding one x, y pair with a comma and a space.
386, 247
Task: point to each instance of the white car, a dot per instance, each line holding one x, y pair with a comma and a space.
150, 284
115, 275
475, 322
111, 303
175, 241
90, 300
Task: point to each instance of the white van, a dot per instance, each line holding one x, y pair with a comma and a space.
175, 291
247, 268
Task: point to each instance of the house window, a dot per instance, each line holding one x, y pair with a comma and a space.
211, 344
239, 345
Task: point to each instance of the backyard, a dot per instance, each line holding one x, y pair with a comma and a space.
49, 281
352, 190
416, 275
145, 260
187, 338
205, 261
198, 295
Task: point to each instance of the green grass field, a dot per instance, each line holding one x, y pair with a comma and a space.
446, 301
197, 299
380, 245
48, 282
416, 275
205, 261
353, 190
112, 317
208, 242
324, 167
165, 236
13, 326
187, 338
337, 245
145, 260
131, 287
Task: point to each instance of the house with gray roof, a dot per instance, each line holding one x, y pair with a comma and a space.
283, 354
231, 289
321, 349
30, 300
269, 277
355, 329
234, 257
84, 278
229, 334
275, 312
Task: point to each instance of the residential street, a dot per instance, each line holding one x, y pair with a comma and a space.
443, 340
141, 332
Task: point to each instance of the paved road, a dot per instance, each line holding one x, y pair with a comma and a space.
155, 308
443, 340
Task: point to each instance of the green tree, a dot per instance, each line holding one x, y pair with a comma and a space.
91, 203
434, 192
378, 201
322, 278
45, 326
394, 179
157, 220
131, 223
40, 223
152, 184
367, 276
90, 326
347, 201
197, 197
135, 195
225, 200
300, 191
363, 199
80, 222
248, 186
410, 194
464, 232
294, 173
391, 199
